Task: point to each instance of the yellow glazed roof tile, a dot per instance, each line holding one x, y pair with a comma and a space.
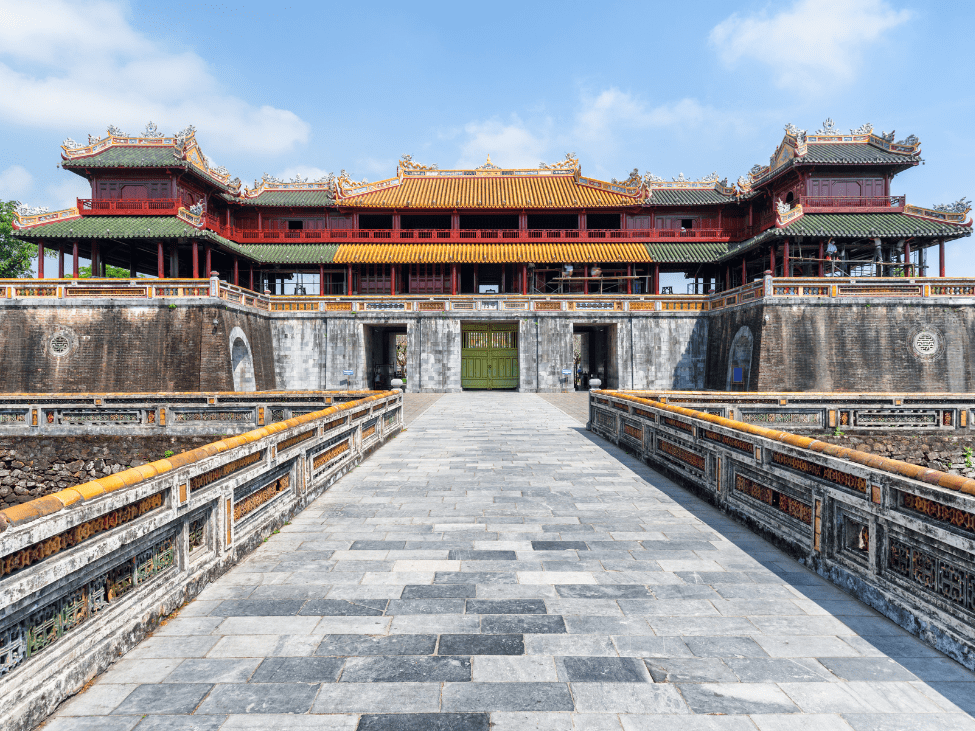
491, 253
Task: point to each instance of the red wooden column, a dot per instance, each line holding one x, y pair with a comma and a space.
524, 279
321, 280
40, 260
208, 260
196, 260
74, 263
60, 261
585, 280
744, 272
251, 282
160, 261
727, 276
822, 253
453, 279
392, 279
786, 270
132, 272
348, 286
907, 257
476, 267
95, 260
941, 258
236, 271
629, 282
771, 259
656, 279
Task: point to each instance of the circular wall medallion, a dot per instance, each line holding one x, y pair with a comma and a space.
62, 342
926, 342
59, 345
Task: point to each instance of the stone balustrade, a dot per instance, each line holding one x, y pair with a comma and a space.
899, 537
87, 572
844, 412
154, 414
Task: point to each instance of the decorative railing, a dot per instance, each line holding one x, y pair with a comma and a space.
89, 571
956, 217
246, 235
155, 414
896, 535
39, 219
153, 207
849, 412
882, 204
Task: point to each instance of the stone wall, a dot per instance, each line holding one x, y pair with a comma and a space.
123, 347
31, 467
299, 347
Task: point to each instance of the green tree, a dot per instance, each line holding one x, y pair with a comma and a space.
15, 255
110, 272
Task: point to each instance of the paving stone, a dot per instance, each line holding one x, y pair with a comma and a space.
298, 670
338, 607
213, 671
778, 670
559, 546
514, 669
724, 647
425, 722
259, 698
591, 591
506, 606
736, 698
353, 645
475, 577
604, 670
170, 698
425, 606
535, 697
470, 555
523, 624
93, 723
627, 698
414, 669
690, 670
378, 698
481, 645
439, 591
182, 723
314, 722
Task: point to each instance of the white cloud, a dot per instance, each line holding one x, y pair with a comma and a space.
509, 144
809, 44
304, 171
66, 193
82, 66
15, 183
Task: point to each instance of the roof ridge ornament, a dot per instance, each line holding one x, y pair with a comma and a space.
25, 210
114, 131
406, 162
570, 162
864, 129
962, 205
72, 145
151, 130
488, 165
185, 133
828, 128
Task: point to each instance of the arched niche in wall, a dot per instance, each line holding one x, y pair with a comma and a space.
740, 360
241, 361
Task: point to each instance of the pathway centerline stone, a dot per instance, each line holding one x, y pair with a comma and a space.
498, 566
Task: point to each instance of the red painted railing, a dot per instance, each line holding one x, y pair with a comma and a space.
152, 207
873, 204
496, 235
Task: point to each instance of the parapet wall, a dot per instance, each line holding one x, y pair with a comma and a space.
89, 571
899, 537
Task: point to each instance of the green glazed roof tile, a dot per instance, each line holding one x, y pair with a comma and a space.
687, 197
684, 252
287, 198
127, 157
847, 154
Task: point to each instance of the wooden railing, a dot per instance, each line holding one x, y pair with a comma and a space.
869, 204
152, 207
247, 235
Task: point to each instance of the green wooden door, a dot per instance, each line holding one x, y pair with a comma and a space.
489, 356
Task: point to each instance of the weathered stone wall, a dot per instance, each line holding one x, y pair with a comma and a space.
848, 345
31, 467
124, 347
299, 346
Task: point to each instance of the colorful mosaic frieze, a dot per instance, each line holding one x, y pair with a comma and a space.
676, 424
225, 470
634, 432
886, 419
740, 444
43, 627
936, 575
198, 528
70, 538
843, 479
682, 455
952, 290
77, 416
261, 496
939, 511
778, 500
233, 416
605, 420
322, 459
296, 439
803, 418
13, 417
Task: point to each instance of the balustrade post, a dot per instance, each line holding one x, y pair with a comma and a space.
60, 261
321, 280
160, 261
74, 263
40, 260
941, 258
196, 259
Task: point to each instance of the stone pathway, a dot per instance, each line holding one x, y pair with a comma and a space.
496, 566
415, 404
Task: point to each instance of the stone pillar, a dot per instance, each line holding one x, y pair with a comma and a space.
40, 260
74, 256
160, 261
941, 258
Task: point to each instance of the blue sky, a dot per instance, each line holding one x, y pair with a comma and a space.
664, 87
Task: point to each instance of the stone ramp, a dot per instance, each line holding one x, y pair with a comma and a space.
499, 566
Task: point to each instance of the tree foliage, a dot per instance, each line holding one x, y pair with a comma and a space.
15, 255
110, 272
